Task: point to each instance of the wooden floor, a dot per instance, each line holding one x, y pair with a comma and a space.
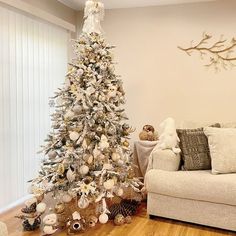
141, 226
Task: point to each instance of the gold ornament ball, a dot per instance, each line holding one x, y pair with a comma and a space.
119, 220
128, 220
90, 159
126, 143
60, 169
69, 115
59, 208
41, 207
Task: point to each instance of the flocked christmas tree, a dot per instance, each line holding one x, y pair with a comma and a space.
87, 154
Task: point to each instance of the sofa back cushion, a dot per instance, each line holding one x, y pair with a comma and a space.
222, 144
194, 149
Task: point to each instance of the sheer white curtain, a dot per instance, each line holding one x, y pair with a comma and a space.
33, 63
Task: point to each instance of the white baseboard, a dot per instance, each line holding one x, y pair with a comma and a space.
14, 204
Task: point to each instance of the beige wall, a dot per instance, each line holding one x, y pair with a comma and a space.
160, 80
55, 8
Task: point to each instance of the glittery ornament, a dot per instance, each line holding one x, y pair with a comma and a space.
119, 220
59, 208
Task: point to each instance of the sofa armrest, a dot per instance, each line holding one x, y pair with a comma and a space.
164, 160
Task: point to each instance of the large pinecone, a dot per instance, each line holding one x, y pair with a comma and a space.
125, 207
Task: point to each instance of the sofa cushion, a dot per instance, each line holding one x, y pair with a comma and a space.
194, 149
196, 185
196, 125
222, 143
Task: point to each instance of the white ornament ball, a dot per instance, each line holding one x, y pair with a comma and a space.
103, 218
74, 136
115, 156
77, 109
83, 170
80, 72
109, 184
52, 154
66, 198
119, 192
41, 207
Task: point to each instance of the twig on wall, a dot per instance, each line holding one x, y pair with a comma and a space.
220, 53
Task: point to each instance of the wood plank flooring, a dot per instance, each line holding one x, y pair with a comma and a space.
141, 226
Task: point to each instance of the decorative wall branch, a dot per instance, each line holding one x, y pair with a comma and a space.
220, 53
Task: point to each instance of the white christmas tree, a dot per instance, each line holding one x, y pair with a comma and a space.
87, 154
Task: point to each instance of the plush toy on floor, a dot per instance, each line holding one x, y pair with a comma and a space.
49, 222
168, 137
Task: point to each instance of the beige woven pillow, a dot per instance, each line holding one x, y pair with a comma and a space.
222, 145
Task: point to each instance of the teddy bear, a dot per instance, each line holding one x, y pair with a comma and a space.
168, 137
49, 222
76, 224
148, 133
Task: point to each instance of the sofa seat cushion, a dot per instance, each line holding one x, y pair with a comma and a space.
196, 185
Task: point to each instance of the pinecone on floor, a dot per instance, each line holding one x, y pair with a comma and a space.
125, 208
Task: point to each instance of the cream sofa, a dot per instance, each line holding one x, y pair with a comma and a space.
192, 196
